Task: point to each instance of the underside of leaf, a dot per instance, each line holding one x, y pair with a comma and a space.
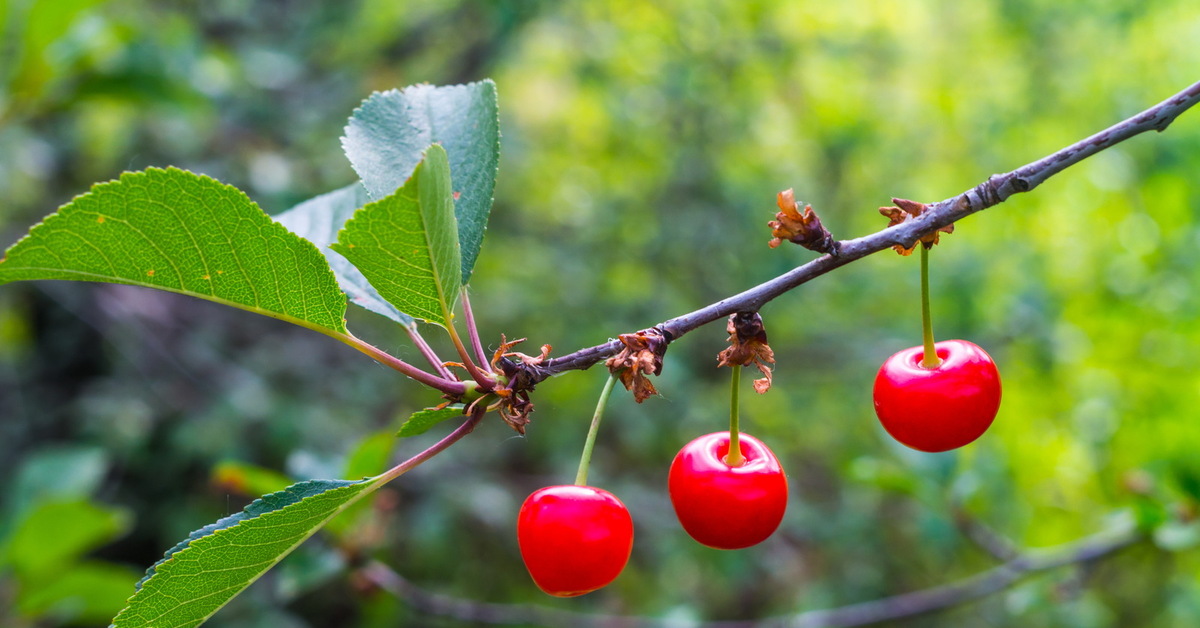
387, 135
406, 244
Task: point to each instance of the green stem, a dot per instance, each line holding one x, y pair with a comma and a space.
485, 381
734, 458
586, 460
931, 359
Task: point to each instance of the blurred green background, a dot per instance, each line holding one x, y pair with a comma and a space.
642, 149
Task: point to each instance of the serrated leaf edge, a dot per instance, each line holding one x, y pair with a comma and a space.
238, 519
56, 215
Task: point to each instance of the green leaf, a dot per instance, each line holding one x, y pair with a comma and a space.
406, 245
388, 133
248, 479
370, 455
318, 221
421, 421
186, 233
58, 473
56, 533
37, 27
201, 574
84, 593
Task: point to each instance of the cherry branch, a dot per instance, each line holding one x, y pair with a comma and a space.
994, 191
987, 539
994, 580
448, 386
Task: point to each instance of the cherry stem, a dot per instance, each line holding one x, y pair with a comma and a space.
428, 352
445, 385
586, 460
485, 381
930, 360
473, 332
462, 430
734, 458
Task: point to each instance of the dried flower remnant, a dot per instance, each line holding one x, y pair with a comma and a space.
803, 228
748, 345
642, 356
515, 405
906, 210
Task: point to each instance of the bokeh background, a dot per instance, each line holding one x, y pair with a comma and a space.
643, 145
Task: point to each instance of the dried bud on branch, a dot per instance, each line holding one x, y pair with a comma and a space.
642, 356
905, 211
748, 345
804, 228
514, 405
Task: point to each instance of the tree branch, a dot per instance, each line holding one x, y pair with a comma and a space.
891, 608
994, 191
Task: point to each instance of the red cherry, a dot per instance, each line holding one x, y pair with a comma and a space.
723, 506
940, 408
574, 539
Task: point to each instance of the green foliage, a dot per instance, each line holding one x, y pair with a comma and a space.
406, 244
421, 421
37, 26
56, 534
643, 148
53, 526
201, 574
318, 220
186, 233
387, 136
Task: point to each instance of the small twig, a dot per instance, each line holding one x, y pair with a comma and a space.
892, 608
447, 386
473, 333
466, 427
979, 586
987, 539
430, 355
994, 191
472, 611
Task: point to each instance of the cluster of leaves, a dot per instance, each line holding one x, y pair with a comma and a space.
660, 128
406, 254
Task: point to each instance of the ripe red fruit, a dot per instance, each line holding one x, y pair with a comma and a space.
574, 539
940, 408
723, 506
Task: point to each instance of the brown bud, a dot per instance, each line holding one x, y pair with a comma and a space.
642, 356
748, 345
904, 211
803, 228
515, 405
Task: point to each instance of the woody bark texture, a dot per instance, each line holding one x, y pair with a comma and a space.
995, 190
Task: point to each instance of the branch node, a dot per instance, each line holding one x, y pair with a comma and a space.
803, 228
642, 356
907, 211
748, 345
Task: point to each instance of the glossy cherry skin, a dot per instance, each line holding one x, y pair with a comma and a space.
574, 539
722, 506
941, 408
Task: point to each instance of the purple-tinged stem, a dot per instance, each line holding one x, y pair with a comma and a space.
473, 332
436, 362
